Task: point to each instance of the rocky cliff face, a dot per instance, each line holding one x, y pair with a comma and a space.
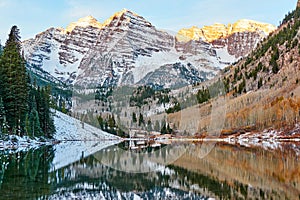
236, 39
298, 4
219, 31
125, 37
127, 49
60, 51
238, 44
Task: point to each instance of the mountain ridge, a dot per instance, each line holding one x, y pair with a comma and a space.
219, 31
124, 49
262, 90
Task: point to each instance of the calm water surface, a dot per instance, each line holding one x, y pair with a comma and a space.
137, 170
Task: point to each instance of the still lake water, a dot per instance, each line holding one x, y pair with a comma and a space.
136, 170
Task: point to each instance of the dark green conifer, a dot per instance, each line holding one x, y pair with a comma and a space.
24, 109
134, 119
2, 115
141, 120
34, 121
13, 86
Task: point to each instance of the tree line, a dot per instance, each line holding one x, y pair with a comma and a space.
24, 107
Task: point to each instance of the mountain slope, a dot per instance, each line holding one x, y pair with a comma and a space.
125, 37
127, 49
59, 52
263, 89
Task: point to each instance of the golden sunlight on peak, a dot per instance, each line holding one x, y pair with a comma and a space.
117, 15
84, 22
252, 26
217, 30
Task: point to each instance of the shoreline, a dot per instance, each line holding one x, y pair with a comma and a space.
255, 138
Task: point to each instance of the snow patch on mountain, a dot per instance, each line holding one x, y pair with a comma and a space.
62, 72
145, 64
225, 57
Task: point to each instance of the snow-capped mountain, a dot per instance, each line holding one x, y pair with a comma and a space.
127, 49
218, 31
124, 37
231, 42
60, 51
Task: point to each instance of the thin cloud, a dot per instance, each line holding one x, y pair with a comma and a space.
76, 9
4, 3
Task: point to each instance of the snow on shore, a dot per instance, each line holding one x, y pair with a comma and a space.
78, 140
268, 139
69, 128
14, 143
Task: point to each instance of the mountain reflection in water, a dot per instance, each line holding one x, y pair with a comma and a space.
152, 171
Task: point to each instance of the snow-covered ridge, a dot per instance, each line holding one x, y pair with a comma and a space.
126, 48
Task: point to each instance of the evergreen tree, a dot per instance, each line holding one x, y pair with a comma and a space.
163, 129
169, 130
27, 125
63, 107
166, 129
149, 125
35, 128
141, 119
105, 126
1, 48
101, 122
111, 122
2, 115
23, 108
45, 116
134, 119
260, 82
157, 126
34, 121
13, 85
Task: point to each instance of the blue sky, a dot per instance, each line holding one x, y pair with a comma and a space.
35, 16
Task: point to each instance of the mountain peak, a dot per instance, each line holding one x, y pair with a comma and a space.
217, 30
244, 25
125, 12
84, 22
88, 18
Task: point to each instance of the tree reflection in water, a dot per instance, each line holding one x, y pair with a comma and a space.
227, 172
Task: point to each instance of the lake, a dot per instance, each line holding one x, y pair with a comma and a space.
148, 170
